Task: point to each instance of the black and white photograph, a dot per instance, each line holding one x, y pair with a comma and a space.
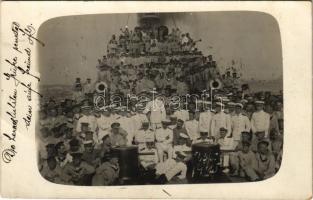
160, 98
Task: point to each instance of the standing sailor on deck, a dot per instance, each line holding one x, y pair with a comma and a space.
260, 120
156, 110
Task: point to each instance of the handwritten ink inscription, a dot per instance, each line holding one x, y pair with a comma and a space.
11, 112
27, 119
19, 70
8, 154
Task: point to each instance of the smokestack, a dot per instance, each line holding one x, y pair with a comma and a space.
149, 20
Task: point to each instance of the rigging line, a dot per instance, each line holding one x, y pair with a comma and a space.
127, 20
174, 21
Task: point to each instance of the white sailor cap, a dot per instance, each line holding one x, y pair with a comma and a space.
87, 142
244, 101
239, 104
183, 135
86, 107
139, 105
201, 129
217, 96
231, 103
165, 121
225, 99
219, 104
133, 97
229, 94
259, 102
145, 100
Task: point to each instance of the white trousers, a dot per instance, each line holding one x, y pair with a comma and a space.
178, 168
161, 148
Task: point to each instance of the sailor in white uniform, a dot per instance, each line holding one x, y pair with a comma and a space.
260, 120
143, 134
139, 118
239, 123
219, 120
104, 124
171, 168
89, 118
226, 145
182, 145
205, 121
164, 140
156, 110
127, 123
148, 155
192, 126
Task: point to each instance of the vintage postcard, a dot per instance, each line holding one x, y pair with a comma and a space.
156, 100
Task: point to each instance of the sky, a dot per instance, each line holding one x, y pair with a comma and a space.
75, 43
